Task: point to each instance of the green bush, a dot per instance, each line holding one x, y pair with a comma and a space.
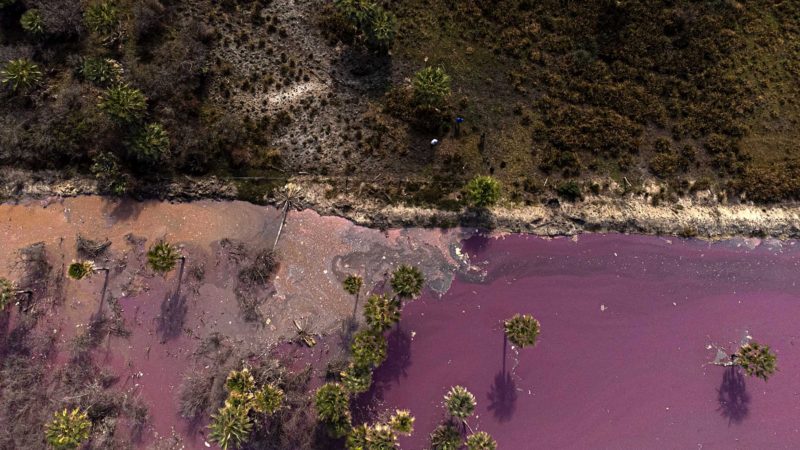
483, 191
31, 22
110, 178
102, 18
370, 21
570, 190
4, 3
431, 88
124, 103
101, 71
68, 429
150, 144
20, 74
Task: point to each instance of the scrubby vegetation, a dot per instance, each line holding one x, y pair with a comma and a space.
551, 94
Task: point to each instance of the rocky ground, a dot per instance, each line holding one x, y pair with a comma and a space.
701, 215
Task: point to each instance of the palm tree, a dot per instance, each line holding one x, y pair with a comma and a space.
240, 381
68, 429
9, 292
460, 402
124, 104
369, 348
402, 422
352, 285
163, 256
757, 360
231, 426
357, 438
268, 400
333, 408
288, 197
481, 441
381, 437
407, 282
381, 312
483, 191
80, 270
445, 437
357, 378
522, 330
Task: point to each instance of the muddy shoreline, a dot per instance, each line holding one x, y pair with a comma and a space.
701, 216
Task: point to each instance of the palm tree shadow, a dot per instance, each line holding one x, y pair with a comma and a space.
502, 395
390, 372
172, 317
734, 401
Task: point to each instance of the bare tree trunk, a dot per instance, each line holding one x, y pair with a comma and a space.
280, 227
180, 276
105, 286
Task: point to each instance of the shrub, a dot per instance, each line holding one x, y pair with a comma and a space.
522, 330
20, 74
268, 399
124, 103
102, 18
445, 437
101, 71
357, 378
110, 178
31, 21
68, 429
240, 381
460, 402
407, 282
4, 3
483, 191
357, 438
7, 293
371, 22
570, 190
150, 144
381, 436
431, 88
481, 441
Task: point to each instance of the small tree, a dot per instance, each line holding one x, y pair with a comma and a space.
352, 284
371, 22
240, 381
483, 191
31, 21
368, 348
407, 282
268, 400
460, 402
230, 427
20, 75
357, 438
68, 429
150, 144
402, 422
522, 330
446, 437
162, 257
124, 104
333, 408
481, 441
381, 312
431, 88
108, 172
757, 360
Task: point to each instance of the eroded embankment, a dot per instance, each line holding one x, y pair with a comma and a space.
700, 215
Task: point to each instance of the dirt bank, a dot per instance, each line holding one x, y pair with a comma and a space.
701, 215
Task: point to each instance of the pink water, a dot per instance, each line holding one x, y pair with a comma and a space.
623, 358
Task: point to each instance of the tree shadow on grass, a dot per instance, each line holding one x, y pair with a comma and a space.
394, 369
734, 401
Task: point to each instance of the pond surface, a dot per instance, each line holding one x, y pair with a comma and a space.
629, 328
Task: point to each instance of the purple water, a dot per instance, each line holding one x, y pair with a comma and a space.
633, 375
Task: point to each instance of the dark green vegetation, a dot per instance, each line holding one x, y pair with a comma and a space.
757, 360
162, 257
69, 429
522, 330
700, 95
